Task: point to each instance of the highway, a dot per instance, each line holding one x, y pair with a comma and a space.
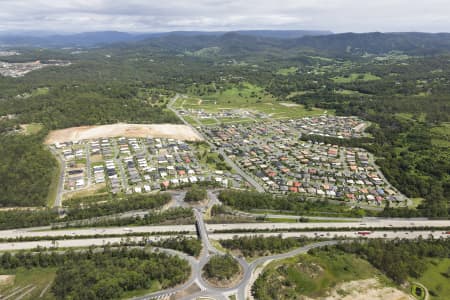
206, 233
332, 229
373, 223
17, 233
75, 243
213, 228
297, 217
99, 241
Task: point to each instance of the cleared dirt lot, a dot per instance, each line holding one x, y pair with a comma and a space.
6, 279
289, 104
369, 289
180, 132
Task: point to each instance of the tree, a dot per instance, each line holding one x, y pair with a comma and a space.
195, 194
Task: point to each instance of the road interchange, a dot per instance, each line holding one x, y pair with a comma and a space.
330, 230
206, 232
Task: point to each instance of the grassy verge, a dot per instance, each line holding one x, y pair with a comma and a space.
287, 71
156, 286
418, 292
53, 189
436, 279
32, 128
355, 77
36, 278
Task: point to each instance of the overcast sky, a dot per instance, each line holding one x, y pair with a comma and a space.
169, 15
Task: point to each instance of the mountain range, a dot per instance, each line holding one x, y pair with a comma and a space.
242, 42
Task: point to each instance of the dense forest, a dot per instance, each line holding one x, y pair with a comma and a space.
399, 259
87, 207
190, 246
172, 216
26, 170
221, 267
129, 203
248, 200
105, 274
251, 246
195, 194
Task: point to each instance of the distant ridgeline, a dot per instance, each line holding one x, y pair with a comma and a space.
414, 43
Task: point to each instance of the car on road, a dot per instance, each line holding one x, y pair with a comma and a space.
364, 233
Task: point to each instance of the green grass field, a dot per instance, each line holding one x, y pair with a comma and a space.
235, 120
314, 275
32, 128
208, 121
40, 278
40, 91
321, 58
298, 93
156, 286
37, 278
435, 278
245, 97
287, 71
206, 157
414, 288
355, 77
349, 92
441, 135
191, 120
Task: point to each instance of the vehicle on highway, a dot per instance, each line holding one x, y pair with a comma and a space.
364, 233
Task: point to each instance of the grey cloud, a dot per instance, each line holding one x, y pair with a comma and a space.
164, 15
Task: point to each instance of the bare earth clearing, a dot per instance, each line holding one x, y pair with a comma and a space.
7, 279
180, 132
369, 289
289, 104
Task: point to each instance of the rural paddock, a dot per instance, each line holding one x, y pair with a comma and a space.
180, 132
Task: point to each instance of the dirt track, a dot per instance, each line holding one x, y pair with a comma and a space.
180, 132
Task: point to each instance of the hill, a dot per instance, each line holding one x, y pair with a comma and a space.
99, 38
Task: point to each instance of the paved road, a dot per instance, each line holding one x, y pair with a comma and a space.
236, 168
249, 278
88, 164
76, 242
118, 162
241, 289
211, 228
293, 217
16, 233
60, 188
375, 223
213, 200
427, 294
209, 231
425, 234
244, 175
85, 242
389, 185
166, 293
